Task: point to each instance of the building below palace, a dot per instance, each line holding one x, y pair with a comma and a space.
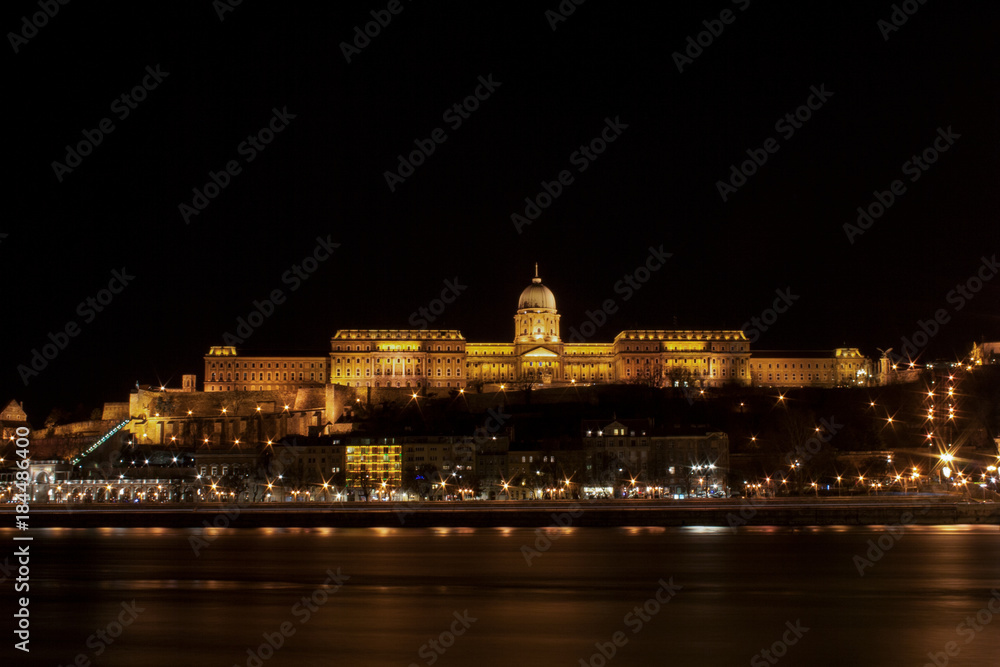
12, 417
986, 352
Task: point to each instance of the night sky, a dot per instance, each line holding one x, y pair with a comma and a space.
215, 78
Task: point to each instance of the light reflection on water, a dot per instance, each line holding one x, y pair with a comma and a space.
738, 590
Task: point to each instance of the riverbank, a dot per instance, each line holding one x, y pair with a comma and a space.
601, 513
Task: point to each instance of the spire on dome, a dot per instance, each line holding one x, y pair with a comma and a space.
537, 295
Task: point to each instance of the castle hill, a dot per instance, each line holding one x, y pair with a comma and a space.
421, 427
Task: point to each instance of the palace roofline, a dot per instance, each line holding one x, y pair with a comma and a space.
452, 334
268, 352
682, 334
805, 354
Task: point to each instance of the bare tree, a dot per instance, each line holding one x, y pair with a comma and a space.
164, 405
651, 376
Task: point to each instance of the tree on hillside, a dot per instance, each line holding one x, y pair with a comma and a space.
164, 405
523, 383
56, 417
650, 376
796, 428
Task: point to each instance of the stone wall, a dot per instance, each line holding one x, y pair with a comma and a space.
310, 398
145, 403
95, 427
115, 412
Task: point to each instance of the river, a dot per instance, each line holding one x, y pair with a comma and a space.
506, 597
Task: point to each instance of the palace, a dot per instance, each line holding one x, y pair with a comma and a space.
442, 358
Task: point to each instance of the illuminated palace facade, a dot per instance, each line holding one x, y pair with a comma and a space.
442, 358
539, 354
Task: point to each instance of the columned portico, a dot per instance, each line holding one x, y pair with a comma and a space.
541, 364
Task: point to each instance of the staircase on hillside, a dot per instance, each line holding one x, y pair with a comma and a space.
104, 438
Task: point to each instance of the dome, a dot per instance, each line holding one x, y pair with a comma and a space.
537, 295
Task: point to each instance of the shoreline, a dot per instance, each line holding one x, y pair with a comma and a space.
529, 514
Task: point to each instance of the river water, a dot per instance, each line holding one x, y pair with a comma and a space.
493, 596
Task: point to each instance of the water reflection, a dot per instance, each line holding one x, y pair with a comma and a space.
403, 587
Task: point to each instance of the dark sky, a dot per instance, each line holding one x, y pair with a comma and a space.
553, 91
